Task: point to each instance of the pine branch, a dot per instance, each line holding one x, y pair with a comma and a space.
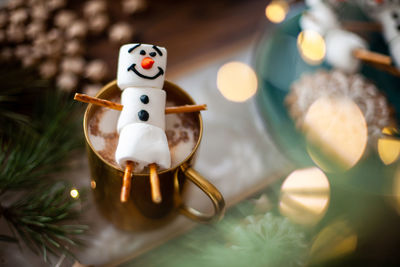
39, 219
39, 149
261, 240
39, 131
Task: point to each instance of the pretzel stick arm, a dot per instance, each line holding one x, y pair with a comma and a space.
109, 104
372, 57
97, 101
185, 109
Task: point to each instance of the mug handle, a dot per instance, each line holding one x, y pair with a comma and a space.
210, 190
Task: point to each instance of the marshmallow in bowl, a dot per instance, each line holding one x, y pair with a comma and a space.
340, 45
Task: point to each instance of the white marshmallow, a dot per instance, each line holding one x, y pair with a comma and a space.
131, 71
390, 20
394, 47
133, 105
311, 3
340, 45
319, 18
143, 144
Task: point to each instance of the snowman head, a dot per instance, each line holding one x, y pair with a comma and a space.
141, 65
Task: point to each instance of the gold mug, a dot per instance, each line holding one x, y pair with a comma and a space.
140, 213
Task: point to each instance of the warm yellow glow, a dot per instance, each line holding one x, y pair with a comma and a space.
388, 149
74, 193
93, 184
337, 129
311, 46
305, 196
276, 11
237, 81
335, 240
396, 189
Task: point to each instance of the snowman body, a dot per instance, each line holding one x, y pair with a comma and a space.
322, 17
141, 125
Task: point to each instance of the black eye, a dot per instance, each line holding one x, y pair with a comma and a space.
142, 52
153, 54
394, 15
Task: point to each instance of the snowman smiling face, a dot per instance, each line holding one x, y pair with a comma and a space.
141, 65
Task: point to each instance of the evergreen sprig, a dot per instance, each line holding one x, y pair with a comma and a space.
256, 240
39, 217
34, 152
39, 130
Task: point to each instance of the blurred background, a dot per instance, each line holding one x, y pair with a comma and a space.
301, 133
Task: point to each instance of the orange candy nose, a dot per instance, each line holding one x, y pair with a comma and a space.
147, 63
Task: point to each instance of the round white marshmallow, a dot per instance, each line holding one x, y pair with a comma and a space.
340, 45
144, 144
133, 100
131, 71
319, 18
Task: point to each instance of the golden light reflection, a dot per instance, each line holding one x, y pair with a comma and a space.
93, 184
335, 240
336, 132
74, 193
305, 196
276, 11
237, 81
388, 149
311, 46
396, 189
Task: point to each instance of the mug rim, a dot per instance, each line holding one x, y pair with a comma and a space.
114, 83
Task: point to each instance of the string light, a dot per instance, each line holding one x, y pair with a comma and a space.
237, 81
305, 195
74, 193
336, 132
276, 11
311, 46
335, 240
388, 149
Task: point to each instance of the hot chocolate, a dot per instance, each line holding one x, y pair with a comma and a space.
182, 132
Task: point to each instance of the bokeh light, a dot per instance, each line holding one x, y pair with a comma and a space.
74, 193
336, 133
334, 241
276, 11
388, 149
237, 81
396, 190
305, 196
311, 46
93, 184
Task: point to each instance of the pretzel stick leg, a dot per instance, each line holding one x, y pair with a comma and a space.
155, 184
109, 104
126, 183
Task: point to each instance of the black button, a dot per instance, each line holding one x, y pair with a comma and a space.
394, 15
144, 99
143, 115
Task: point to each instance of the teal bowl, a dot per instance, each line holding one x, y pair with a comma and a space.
278, 64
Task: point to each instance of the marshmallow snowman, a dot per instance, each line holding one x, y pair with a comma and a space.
340, 43
141, 125
389, 17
